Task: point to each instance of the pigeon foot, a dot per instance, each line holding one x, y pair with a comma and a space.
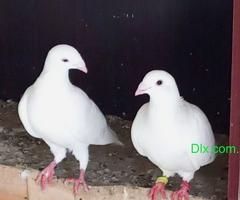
183, 192
78, 182
160, 185
47, 172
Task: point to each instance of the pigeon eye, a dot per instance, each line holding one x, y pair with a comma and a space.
65, 60
159, 82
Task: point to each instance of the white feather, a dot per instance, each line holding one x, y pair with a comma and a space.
60, 113
165, 128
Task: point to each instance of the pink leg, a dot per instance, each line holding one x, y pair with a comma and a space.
183, 192
154, 191
78, 182
47, 172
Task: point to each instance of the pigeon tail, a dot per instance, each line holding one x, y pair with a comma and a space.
114, 138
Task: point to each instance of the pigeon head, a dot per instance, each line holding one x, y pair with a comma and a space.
158, 83
65, 57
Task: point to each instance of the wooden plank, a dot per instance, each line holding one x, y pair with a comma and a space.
233, 179
12, 187
56, 191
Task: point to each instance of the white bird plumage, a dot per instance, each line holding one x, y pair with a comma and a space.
62, 114
165, 128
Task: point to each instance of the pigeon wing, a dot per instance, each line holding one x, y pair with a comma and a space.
23, 112
86, 122
200, 133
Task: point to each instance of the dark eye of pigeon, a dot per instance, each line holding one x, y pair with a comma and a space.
159, 82
65, 60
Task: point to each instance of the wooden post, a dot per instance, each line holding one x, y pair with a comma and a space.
233, 174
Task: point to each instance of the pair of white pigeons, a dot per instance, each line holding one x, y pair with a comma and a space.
66, 119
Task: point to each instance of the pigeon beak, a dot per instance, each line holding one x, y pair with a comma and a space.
141, 89
82, 67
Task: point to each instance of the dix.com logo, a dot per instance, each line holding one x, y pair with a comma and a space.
196, 148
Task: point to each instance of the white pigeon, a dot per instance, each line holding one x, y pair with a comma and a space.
170, 132
62, 114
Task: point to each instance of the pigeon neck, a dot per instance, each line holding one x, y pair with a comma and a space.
56, 76
164, 105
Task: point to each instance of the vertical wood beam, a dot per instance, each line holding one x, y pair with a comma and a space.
233, 173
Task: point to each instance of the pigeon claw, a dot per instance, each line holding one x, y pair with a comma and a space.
154, 191
46, 173
183, 192
77, 182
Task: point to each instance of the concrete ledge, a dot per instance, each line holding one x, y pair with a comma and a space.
14, 187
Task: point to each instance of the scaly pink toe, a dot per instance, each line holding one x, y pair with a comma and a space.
46, 173
183, 192
154, 191
77, 182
